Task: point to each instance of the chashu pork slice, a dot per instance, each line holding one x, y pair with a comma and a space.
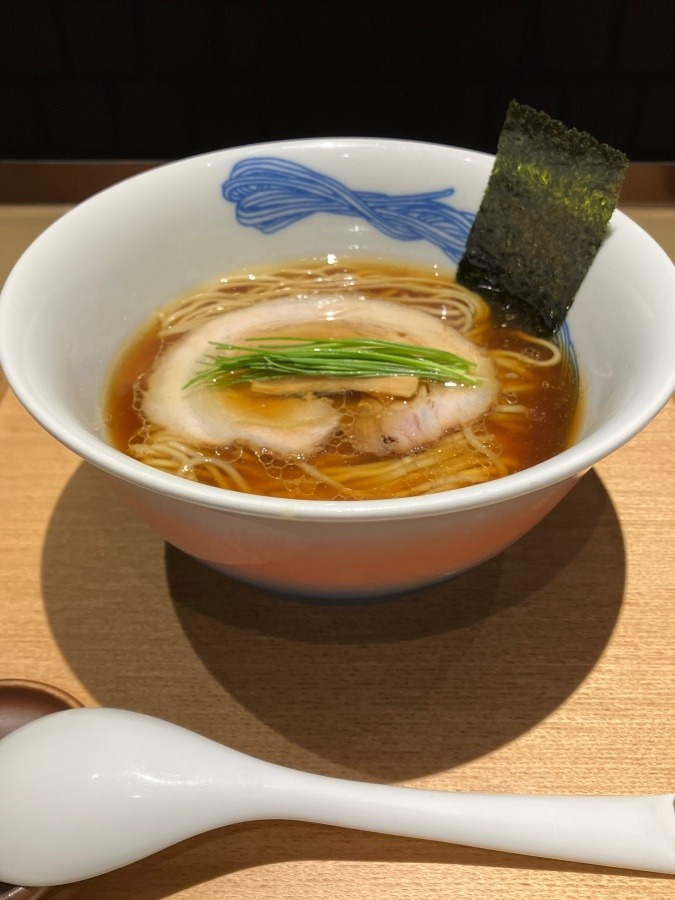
300, 426
403, 426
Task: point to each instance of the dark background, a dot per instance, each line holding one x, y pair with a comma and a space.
159, 79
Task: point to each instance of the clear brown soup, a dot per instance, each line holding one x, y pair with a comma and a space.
553, 410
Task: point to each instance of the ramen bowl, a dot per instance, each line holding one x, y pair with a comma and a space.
89, 282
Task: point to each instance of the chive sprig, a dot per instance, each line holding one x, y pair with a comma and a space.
289, 357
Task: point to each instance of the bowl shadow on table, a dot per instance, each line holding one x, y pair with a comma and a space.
390, 691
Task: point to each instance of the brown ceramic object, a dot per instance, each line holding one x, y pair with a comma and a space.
20, 703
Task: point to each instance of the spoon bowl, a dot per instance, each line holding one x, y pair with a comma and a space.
23, 701
120, 786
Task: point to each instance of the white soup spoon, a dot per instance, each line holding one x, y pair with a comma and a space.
86, 791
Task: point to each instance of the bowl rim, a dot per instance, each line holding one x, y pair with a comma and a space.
570, 463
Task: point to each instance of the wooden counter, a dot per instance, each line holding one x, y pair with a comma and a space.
548, 669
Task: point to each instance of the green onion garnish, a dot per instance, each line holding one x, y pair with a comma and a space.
327, 358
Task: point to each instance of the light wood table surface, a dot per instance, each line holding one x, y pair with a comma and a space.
548, 669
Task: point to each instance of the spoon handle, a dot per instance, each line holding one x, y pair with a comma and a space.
625, 832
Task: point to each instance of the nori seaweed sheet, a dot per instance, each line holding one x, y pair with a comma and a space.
543, 216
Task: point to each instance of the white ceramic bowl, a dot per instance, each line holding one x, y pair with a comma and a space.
91, 279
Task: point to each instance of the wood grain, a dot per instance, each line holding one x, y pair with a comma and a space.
550, 668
